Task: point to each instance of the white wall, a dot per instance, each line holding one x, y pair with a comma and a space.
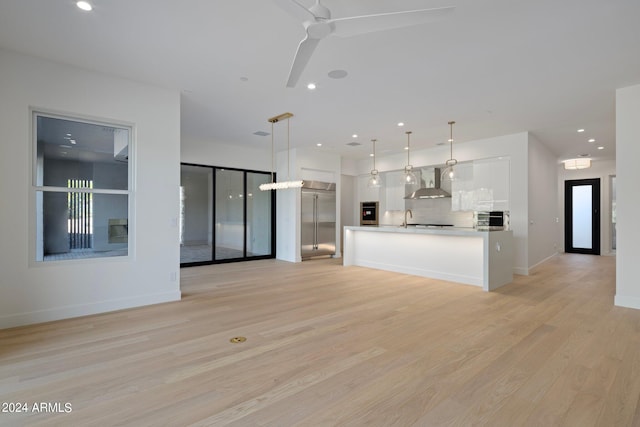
33, 292
193, 150
628, 202
349, 214
544, 231
602, 169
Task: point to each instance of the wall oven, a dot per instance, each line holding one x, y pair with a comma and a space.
369, 213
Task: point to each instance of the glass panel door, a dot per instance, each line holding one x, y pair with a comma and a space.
196, 214
224, 217
582, 217
259, 215
229, 214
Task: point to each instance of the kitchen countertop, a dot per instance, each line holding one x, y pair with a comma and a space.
452, 231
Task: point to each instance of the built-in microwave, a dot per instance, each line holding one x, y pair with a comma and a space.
369, 213
491, 220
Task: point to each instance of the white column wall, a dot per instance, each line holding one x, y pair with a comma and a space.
33, 292
628, 202
544, 232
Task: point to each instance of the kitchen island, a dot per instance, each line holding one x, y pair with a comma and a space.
463, 255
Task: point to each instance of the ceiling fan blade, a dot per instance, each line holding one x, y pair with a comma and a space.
303, 55
299, 11
356, 25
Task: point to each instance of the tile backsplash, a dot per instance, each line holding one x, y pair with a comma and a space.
429, 211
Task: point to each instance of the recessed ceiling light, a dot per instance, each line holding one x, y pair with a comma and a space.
580, 130
370, 154
400, 124
319, 144
601, 148
84, 5
592, 140
355, 135
406, 148
311, 86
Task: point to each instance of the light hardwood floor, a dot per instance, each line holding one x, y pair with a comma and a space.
329, 345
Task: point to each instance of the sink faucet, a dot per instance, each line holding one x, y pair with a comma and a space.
408, 211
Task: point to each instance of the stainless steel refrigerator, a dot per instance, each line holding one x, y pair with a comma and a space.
318, 219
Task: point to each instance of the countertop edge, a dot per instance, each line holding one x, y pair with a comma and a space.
452, 231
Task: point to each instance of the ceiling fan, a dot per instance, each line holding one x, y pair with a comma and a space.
318, 24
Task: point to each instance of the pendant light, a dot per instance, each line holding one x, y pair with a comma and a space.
409, 176
282, 184
451, 162
374, 181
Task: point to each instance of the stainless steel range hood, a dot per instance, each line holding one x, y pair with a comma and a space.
434, 192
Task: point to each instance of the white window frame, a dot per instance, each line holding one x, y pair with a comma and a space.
36, 258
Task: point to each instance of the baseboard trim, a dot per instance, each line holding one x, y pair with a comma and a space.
521, 271
627, 301
67, 312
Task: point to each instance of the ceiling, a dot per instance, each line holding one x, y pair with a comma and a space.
495, 67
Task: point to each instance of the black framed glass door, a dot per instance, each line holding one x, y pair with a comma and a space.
229, 214
582, 216
196, 214
224, 216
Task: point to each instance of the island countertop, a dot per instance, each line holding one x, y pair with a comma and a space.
453, 231
464, 255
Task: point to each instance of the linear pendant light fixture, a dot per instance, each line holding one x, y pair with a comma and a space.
374, 180
409, 176
451, 162
283, 184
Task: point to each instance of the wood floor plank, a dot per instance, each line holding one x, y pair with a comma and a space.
331, 345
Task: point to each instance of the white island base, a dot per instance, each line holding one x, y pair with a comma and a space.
469, 256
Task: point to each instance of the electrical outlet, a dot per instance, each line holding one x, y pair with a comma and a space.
173, 276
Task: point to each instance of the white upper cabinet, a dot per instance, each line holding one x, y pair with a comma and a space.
491, 179
394, 191
366, 194
462, 188
482, 185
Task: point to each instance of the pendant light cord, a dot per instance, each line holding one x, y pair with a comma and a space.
408, 148
272, 156
374, 154
288, 149
451, 140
